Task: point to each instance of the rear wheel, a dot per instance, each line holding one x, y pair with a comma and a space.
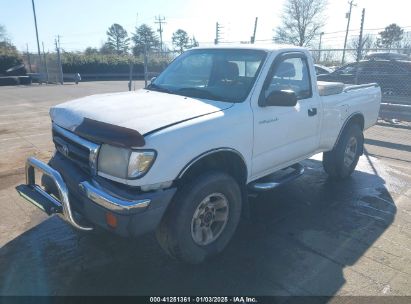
340, 162
202, 218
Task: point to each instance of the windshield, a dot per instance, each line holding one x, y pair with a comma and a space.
224, 74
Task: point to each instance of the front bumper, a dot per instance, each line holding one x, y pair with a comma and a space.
68, 191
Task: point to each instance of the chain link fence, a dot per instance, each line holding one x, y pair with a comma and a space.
44, 68
391, 69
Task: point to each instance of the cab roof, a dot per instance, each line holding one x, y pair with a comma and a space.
262, 47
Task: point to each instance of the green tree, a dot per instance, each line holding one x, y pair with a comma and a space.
91, 51
117, 38
301, 20
193, 42
144, 36
107, 49
391, 36
180, 40
3, 33
9, 56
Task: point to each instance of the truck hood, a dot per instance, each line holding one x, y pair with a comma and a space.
143, 111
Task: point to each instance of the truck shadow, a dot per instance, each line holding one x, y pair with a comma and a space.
297, 241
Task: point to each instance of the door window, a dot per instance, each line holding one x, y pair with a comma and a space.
291, 74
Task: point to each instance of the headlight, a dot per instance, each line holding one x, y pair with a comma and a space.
140, 162
124, 163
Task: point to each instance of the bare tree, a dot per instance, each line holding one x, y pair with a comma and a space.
368, 42
406, 44
329, 58
302, 20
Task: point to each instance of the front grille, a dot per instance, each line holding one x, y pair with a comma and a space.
82, 152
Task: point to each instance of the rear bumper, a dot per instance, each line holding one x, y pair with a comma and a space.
71, 191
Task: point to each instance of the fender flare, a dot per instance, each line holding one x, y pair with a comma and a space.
208, 153
345, 124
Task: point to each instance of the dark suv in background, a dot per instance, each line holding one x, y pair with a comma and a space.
386, 56
394, 76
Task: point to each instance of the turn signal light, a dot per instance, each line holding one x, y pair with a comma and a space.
111, 220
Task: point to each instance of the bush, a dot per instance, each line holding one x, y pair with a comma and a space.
103, 64
9, 57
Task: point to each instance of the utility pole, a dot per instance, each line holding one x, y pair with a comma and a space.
28, 57
255, 30
57, 43
218, 28
45, 63
359, 50
319, 46
145, 66
360, 46
37, 32
130, 75
351, 3
160, 20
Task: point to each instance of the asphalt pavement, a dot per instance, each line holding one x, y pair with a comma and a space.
309, 237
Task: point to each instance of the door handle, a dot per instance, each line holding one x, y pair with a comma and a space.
312, 112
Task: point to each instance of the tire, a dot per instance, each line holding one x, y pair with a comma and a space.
180, 232
340, 162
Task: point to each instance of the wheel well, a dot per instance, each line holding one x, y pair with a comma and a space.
356, 119
225, 161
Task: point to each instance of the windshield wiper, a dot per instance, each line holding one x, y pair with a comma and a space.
154, 87
197, 92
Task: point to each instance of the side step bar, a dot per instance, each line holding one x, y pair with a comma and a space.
41, 199
275, 180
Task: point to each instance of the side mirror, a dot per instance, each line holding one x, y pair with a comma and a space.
153, 79
283, 98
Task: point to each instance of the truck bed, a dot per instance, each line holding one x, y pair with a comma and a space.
334, 88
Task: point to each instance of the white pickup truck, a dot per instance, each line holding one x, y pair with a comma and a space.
181, 156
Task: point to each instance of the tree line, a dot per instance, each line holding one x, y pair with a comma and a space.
9, 56
144, 39
302, 22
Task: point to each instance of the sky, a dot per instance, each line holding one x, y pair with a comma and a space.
83, 23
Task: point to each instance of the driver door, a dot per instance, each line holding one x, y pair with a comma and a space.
285, 134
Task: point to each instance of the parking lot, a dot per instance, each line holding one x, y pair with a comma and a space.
309, 237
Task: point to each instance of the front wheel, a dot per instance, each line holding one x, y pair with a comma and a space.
340, 162
202, 218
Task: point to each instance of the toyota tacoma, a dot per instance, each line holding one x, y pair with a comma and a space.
181, 156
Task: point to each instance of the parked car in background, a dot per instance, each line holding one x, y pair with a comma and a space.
386, 56
394, 77
15, 75
321, 69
